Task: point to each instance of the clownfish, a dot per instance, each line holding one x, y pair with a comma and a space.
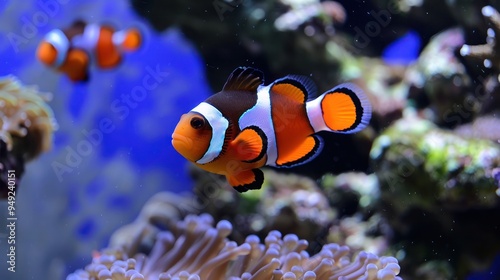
247, 125
71, 50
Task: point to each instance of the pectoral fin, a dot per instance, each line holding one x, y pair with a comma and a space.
250, 144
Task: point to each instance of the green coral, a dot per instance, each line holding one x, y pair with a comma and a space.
422, 164
363, 186
437, 190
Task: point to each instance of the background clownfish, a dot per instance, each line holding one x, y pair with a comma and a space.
71, 50
248, 125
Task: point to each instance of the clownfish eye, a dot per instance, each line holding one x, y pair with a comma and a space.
197, 123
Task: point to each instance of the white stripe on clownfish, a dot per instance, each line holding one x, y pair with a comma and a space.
315, 112
219, 126
60, 42
119, 37
260, 115
315, 115
88, 39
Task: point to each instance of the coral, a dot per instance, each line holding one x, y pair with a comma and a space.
420, 14
361, 189
356, 197
386, 85
421, 164
481, 128
489, 53
26, 126
309, 207
486, 97
360, 233
328, 12
196, 250
442, 80
437, 190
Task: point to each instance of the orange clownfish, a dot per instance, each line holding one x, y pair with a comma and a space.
71, 50
248, 125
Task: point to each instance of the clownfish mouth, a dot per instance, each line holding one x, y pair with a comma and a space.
182, 144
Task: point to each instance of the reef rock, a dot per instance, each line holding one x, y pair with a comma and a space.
438, 189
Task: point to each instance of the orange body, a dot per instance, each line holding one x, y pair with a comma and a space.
247, 126
75, 64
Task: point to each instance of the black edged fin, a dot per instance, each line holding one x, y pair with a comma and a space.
258, 180
309, 155
251, 144
244, 79
240, 189
299, 88
346, 115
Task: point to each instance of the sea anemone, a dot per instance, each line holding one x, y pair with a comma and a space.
26, 126
161, 211
26, 121
194, 249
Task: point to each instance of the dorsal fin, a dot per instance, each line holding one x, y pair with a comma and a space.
296, 87
80, 23
244, 78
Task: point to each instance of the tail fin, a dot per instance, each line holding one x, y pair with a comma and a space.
128, 40
343, 109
